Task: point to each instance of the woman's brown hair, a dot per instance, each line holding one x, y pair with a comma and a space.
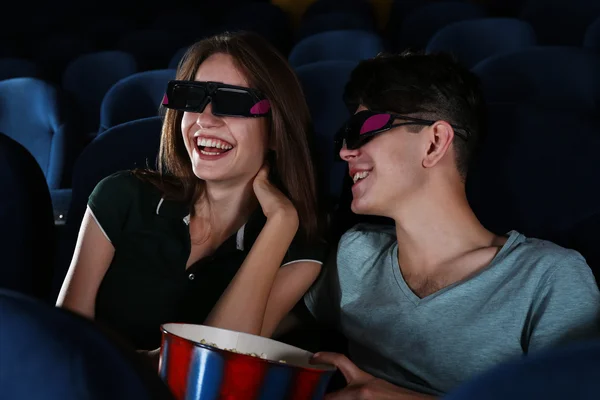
292, 168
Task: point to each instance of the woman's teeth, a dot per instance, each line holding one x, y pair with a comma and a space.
360, 175
212, 147
215, 143
209, 153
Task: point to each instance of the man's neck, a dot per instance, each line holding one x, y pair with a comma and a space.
439, 228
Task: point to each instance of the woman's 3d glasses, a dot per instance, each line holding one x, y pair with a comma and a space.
365, 125
226, 100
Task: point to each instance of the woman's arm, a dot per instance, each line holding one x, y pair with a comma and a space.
243, 304
91, 259
262, 292
291, 283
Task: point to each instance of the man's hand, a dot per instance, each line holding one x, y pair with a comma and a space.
152, 356
361, 385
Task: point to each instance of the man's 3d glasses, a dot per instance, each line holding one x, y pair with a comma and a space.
365, 125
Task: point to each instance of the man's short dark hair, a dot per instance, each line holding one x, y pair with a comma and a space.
428, 86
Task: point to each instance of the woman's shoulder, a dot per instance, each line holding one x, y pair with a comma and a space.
123, 199
123, 186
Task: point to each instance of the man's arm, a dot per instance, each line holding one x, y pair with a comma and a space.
323, 299
567, 307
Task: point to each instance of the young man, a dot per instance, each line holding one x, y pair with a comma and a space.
436, 299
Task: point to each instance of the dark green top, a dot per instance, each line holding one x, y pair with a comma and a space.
147, 283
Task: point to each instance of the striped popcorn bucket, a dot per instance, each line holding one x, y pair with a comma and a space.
203, 363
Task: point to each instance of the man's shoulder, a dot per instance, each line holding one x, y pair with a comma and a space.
543, 258
541, 251
366, 241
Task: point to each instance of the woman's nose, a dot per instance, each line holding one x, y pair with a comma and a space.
206, 118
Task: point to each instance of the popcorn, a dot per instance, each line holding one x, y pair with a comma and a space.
261, 355
208, 343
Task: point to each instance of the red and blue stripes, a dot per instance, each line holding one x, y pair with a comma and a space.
196, 372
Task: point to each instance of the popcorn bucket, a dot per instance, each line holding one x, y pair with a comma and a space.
203, 363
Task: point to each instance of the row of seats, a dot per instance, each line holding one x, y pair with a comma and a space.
555, 22
494, 35
117, 93
412, 24
51, 353
69, 358
99, 103
37, 115
534, 174
53, 46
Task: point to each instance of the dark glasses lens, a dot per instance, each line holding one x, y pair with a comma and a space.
361, 128
237, 102
185, 97
227, 100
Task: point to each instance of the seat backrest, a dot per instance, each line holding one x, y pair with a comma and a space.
26, 222
152, 49
134, 144
35, 114
421, 24
18, 68
560, 22
333, 21
54, 52
51, 353
505, 7
89, 77
562, 77
349, 45
263, 18
319, 7
569, 372
105, 30
592, 36
493, 36
536, 172
323, 84
137, 96
131, 145
189, 25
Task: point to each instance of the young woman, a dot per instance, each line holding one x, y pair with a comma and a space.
226, 232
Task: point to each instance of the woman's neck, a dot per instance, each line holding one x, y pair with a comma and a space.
226, 207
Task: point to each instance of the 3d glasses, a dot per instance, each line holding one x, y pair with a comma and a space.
365, 125
226, 100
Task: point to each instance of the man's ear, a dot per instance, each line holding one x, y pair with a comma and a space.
440, 136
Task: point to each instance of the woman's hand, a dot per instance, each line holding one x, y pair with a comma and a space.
243, 305
272, 201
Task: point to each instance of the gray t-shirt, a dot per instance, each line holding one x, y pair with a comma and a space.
533, 294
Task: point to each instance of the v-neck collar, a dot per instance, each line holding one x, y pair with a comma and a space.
416, 300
